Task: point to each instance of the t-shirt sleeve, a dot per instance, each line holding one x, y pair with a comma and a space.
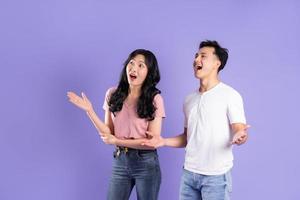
184, 109
106, 99
235, 112
185, 117
159, 105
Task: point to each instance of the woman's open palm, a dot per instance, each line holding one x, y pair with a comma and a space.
80, 101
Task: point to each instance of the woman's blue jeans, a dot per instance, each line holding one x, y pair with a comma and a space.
139, 168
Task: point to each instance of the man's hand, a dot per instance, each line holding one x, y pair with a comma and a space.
241, 136
154, 141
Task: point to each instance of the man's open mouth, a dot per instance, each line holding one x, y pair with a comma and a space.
198, 67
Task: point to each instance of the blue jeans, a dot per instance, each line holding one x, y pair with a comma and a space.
138, 168
205, 187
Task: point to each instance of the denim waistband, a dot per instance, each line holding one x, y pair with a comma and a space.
127, 149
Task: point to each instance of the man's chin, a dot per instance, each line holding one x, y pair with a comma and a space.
197, 76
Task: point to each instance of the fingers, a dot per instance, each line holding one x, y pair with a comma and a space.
149, 133
236, 140
149, 144
74, 102
108, 139
143, 142
77, 103
104, 139
239, 140
247, 126
72, 95
83, 96
101, 134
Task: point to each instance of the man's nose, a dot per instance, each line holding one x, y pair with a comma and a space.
198, 59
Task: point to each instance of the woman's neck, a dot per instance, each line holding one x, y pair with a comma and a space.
134, 91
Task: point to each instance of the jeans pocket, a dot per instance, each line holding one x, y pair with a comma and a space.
148, 159
146, 156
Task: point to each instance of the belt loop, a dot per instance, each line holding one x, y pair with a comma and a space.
118, 152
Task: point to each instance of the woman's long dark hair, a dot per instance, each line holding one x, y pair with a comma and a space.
145, 106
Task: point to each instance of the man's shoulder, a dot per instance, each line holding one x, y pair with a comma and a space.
229, 92
190, 96
229, 89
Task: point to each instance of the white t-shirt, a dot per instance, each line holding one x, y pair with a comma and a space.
208, 117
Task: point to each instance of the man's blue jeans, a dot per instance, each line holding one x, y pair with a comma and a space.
195, 186
138, 168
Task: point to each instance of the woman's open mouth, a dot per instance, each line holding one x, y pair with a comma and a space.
132, 77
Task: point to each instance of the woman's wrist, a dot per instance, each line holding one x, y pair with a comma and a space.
117, 141
90, 111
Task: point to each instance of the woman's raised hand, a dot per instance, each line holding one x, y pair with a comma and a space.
80, 101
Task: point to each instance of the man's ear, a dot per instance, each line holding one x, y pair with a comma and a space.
217, 64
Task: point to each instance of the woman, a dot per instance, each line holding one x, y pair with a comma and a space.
131, 109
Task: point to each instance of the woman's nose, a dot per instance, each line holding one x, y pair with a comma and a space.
133, 68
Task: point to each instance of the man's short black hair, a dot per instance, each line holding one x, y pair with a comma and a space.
220, 52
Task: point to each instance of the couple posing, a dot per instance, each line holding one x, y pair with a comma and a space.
214, 121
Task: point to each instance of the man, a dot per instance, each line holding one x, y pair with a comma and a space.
214, 121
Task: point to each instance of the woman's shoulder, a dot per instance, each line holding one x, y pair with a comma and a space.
110, 90
158, 98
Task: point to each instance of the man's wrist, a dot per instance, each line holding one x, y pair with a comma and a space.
165, 142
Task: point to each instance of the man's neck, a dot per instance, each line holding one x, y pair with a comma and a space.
207, 84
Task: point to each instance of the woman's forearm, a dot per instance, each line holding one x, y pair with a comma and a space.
132, 143
101, 127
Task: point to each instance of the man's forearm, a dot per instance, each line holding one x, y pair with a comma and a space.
179, 141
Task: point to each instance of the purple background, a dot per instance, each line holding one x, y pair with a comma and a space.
49, 149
